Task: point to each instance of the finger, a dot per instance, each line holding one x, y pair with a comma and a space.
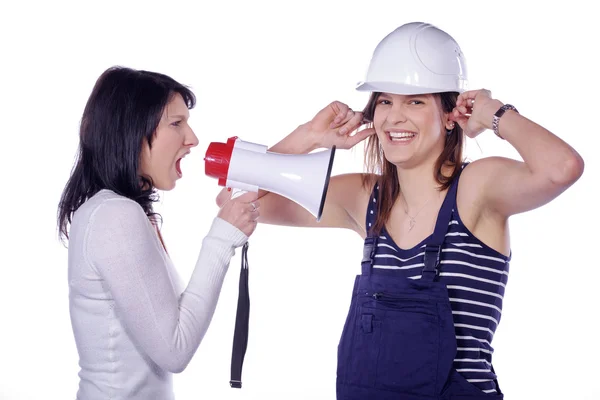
462, 110
468, 98
351, 124
462, 122
460, 113
464, 101
361, 135
346, 125
469, 94
341, 110
350, 115
253, 206
223, 197
453, 115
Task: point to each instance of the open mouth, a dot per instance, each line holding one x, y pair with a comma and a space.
401, 137
178, 167
178, 164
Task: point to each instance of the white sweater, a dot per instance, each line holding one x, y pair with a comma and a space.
133, 323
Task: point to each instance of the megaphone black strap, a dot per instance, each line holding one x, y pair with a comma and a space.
240, 336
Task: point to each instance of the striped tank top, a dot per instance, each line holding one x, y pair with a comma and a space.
475, 276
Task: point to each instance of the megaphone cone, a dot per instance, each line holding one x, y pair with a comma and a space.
302, 178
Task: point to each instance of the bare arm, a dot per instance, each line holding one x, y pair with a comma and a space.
332, 126
346, 198
505, 186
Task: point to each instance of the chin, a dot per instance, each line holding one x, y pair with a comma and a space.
395, 158
165, 186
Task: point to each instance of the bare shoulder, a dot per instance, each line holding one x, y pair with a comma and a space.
485, 168
479, 178
479, 174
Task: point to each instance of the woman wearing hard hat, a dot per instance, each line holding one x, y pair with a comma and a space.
436, 242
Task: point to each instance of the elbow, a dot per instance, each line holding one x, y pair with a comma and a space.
178, 369
569, 170
175, 365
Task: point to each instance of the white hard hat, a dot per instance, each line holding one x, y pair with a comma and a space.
416, 58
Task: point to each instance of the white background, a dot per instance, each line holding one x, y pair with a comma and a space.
259, 69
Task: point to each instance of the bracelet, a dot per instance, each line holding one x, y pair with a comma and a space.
497, 116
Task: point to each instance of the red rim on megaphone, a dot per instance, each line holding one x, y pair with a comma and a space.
217, 159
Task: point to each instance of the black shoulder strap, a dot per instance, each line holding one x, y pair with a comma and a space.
240, 336
433, 248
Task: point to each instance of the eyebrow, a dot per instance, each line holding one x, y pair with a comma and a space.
178, 116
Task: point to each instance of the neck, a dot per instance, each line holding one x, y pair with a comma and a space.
418, 185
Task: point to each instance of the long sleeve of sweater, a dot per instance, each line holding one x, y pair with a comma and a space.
122, 246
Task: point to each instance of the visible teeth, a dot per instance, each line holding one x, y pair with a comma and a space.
401, 134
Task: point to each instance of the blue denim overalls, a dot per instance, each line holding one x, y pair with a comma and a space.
398, 341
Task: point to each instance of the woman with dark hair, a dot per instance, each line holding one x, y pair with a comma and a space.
427, 303
134, 322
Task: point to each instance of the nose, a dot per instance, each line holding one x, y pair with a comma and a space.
191, 139
396, 114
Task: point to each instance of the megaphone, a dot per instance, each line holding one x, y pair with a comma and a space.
248, 167
245, 166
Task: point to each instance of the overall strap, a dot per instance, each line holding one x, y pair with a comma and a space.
433, 247
370, 244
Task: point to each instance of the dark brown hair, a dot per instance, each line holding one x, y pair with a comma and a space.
386, 174
123, 110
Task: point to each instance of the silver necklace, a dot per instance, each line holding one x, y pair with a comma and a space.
412, 221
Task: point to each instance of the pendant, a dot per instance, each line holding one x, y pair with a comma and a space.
411, 224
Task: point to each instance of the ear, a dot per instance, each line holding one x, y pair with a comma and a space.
448, 121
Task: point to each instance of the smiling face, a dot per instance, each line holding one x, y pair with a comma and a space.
410, 128
161, 161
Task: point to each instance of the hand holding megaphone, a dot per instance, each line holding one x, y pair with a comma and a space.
248, 167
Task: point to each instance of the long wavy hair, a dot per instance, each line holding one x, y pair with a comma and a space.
123, 110
385, 174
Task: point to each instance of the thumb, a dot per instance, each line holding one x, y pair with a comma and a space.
460, 119
359, 136
463, 122
223, 197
